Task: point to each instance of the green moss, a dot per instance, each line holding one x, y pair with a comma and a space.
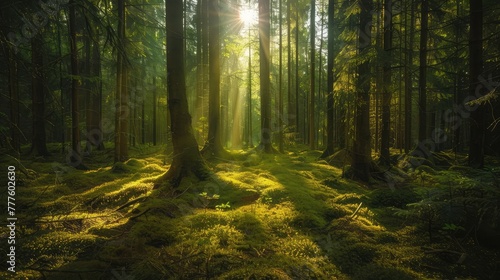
376, 272
393, 198
335, 211
120, 168
308, 221
350, 257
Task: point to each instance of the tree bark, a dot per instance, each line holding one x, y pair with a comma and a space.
476, 89
361, 158
39, 144
329, 101
408, 81
214, 144
122, 109
387, 93
312, 129
422, 86
186, 156
265, 95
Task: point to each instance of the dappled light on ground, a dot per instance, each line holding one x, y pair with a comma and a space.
279, 217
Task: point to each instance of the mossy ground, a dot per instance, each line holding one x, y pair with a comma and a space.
285, 216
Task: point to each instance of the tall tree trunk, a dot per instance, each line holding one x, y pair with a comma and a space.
186, 156
280, 81
408, 80
39, 144
122, 109
422, 86
265, 95
387, 94
96, 136
15, 132
291, 114
477, 123
155, 106
312, 128
329, 102
75, 158
249, 94
297, 80
213, 145
361, 158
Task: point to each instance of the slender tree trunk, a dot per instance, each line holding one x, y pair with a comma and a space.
122, 109
297, 80
75, 158
408, 81
312, 128
329, 102
38, 97
15, 134
265, 95
96, 135
361, 158
155, 106
422, 86
280, 81
387, 94
291, 114
186, 156
213, 145
477, 122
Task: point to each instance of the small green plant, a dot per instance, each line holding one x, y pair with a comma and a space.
223, 206
206, 199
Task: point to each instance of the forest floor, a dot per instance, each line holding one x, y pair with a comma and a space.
280, 216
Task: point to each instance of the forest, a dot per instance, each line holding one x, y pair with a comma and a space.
250, 139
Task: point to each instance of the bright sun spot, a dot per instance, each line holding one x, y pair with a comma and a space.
248, 16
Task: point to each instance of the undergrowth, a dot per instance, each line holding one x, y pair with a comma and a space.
269, 217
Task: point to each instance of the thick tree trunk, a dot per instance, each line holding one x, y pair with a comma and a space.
186, 157
477, 123
329, 102
361, 158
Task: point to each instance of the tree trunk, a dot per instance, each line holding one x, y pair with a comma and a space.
39, 144
361, 158
291, 114
280, 81
94, 133
15, 132
122, 109
214, 144
422, 86
186, 156
329, 102
75, 158
265, 95
476, 89
408, 81
312, 129
387, 94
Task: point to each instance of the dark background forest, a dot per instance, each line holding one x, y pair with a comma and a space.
251, 139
